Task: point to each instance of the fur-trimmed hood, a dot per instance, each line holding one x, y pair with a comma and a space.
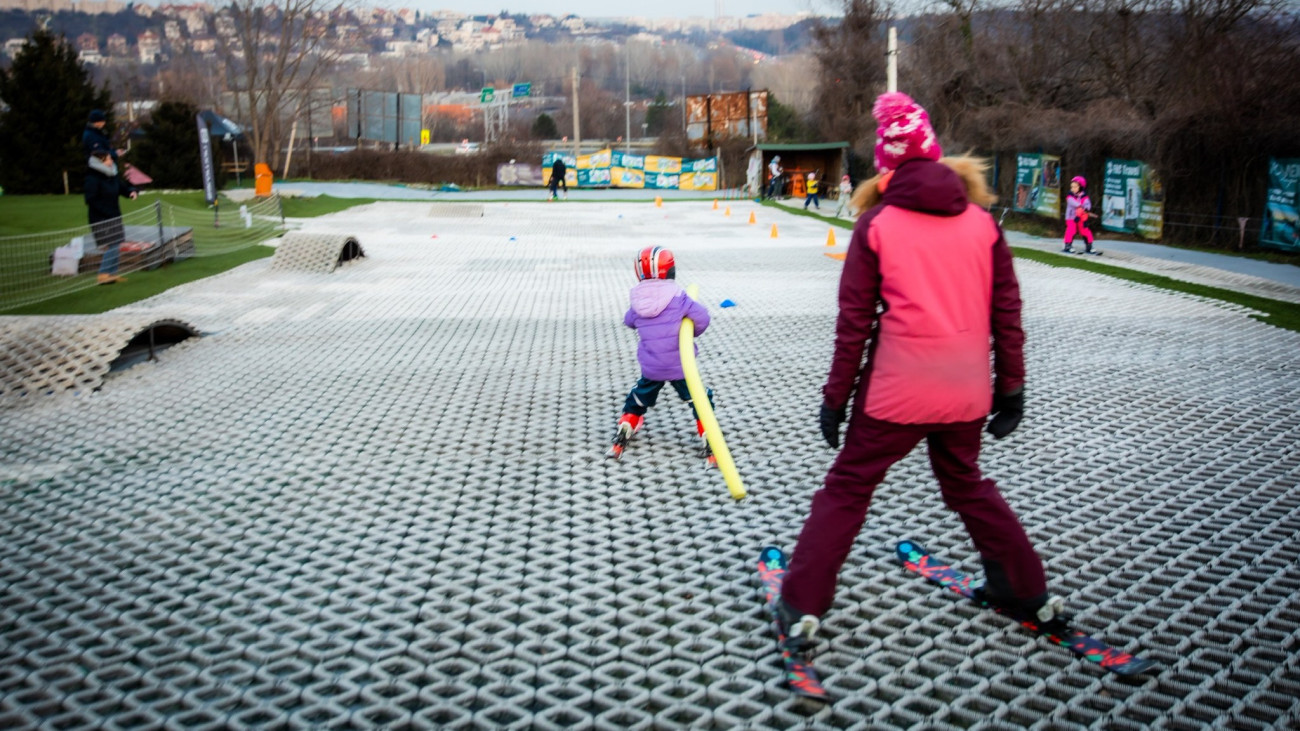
969, 169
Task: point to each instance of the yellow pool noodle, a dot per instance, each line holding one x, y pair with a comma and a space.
700, 397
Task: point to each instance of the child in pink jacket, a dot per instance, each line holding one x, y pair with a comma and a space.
1078, 209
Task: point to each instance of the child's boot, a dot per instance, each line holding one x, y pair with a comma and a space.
628, 424
706, 450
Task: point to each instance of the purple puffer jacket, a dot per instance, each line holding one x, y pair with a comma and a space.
658, 306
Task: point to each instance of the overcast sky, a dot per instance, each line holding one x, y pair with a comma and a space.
620, 8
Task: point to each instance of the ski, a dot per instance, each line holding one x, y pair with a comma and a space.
916, 558
799, 672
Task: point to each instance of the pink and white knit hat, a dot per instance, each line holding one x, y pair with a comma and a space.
904, 132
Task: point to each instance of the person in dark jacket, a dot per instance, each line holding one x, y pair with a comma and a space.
928, 283
96, 135
102, 188
658, 306
558, 172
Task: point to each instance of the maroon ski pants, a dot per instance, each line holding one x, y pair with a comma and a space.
871, 447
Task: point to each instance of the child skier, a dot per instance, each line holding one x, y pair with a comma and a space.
846, 192
812, 187
1077, 210
924, 245
658, 305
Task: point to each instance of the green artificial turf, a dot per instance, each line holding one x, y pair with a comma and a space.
1274, 312
44, 216
141, 285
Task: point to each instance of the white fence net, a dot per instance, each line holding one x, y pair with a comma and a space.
37, 267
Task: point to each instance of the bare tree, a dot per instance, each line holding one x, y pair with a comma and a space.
278, 52
851, 56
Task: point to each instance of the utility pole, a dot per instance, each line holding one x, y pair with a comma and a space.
577, 122
891, 66
627, 96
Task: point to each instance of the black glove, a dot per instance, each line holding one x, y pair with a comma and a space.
1007, 412
830, 420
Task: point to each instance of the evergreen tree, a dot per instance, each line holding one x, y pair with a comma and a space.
784, 123
169, 152
656, 114
50, 95
544, 128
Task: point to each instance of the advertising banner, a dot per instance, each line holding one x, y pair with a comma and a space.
699, 174
618, 169
1133, 200
205, 159
1038, 184
1281, 228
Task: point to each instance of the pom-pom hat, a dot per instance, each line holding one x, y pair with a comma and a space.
904, 132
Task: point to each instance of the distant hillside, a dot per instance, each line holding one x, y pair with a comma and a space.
20, 23
793, 39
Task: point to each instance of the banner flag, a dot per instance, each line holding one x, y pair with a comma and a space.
205, 157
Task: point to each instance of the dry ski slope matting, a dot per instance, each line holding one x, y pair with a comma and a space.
375, 498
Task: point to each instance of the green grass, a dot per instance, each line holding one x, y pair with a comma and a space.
45, 214
320, 205
32, 214
1274, 312
141, 285
797, 210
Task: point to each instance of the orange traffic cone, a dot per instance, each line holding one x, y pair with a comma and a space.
774, 230
659, 202
830, 237
715, 204
752, 219
727, 212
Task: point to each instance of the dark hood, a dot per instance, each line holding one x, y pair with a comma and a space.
928, 187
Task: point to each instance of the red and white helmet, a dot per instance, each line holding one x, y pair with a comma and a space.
655, 262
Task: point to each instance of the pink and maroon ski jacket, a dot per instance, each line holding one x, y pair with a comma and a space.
929, 282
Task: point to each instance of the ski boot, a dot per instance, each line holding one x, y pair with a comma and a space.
628, 424
1047, 613
1067, 250
799, 629
706, 450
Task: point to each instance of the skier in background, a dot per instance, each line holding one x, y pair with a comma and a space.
812, 186
775, 171
1078, 209
846, 192
558, 171
924, 246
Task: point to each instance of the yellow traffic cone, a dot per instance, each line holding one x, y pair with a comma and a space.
830, 237
752, 219
715, 204
774, 230
727, 212
659, 202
